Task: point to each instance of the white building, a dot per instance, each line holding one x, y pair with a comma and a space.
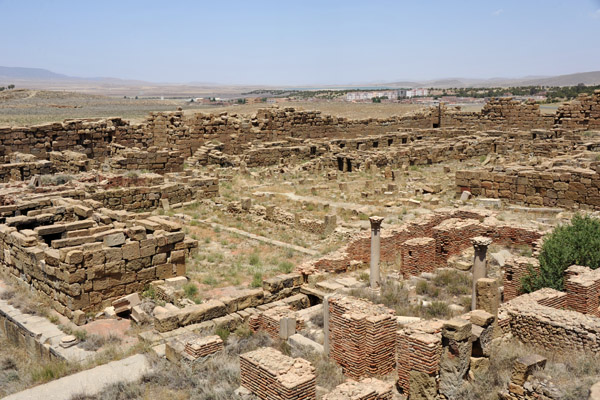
420, 92
363, 96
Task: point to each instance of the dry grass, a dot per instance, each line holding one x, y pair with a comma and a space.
214, 378
340, 109
226, 259
28, 107
572, 373
19, 370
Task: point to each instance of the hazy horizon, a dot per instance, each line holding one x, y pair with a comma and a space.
314, 43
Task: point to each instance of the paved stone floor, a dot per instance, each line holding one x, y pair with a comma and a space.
90, 382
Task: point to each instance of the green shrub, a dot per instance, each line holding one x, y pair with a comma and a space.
254, 259
422, 287
223, 333
256, 280
190, 290
210, 280
286, 267
577, 243
243, 331
438, 309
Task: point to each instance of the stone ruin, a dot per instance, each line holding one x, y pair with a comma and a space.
92, 242
427, 243
271, 375
82, 255
361, 336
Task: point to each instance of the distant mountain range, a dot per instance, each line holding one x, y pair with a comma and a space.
38, 78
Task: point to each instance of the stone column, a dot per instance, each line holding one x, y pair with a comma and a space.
326, 324
375, 251
480, 244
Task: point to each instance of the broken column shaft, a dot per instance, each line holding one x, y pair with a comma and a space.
480, 245
375, 251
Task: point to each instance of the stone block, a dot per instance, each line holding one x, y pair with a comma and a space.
457, 329
481, 318
423, 386
524, 366
131, 250
115, 239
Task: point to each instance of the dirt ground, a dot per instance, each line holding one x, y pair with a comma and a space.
28, 107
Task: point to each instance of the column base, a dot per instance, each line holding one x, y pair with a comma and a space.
375, 291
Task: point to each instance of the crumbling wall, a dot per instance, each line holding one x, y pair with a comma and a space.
153, 159
366, 389
556, 187
582, 285
513, 113
91, 137
83, 257
515, 269
451, 229
418, 354
583, 113
532, 322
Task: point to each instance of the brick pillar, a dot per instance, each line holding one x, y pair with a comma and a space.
480, 244
375, 251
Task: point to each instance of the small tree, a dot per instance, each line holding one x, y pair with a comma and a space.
11, 87
2, 88
577, 243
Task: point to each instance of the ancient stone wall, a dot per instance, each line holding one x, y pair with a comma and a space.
513, 113
515, 269
459, 225
532, 322
418, 256
582, 286
237, 134
153, 159
278, 215
418, 353
583, 113
566, 187
83, 257
90, 137
366, 389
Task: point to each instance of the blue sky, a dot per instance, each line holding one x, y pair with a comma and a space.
301, 42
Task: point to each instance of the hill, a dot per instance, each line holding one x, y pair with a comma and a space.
29, 73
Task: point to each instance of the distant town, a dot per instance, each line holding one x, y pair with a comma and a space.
425, 96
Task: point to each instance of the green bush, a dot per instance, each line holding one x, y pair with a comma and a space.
254, 259
190, 290
577, 243
223, 333
438, 309
286, 267
257, 279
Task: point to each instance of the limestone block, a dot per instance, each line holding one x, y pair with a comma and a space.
457, 329
74, 257
423, 386
131, 250
524, 366
488, 298
456, 355
114, 239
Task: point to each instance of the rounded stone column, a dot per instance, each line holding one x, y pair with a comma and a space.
375, 279
480, 245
